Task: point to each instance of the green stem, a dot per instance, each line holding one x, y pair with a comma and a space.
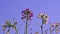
50, 30
42, 27
27, 25
53, 30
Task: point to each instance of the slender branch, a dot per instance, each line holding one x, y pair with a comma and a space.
53, 30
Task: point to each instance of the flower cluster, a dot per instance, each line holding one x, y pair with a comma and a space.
26, 13
8, 24
44, 17
55, 24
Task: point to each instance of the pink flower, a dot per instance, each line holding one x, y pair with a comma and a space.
26, 13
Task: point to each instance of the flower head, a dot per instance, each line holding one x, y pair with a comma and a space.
52, 25
55, 24
8, 24
26, 13
40, 15
44, 17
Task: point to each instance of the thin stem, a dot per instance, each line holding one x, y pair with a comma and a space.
27, 25
42, 27
52, 30
16, 31
46, 31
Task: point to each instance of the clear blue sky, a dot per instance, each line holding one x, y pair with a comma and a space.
13, 8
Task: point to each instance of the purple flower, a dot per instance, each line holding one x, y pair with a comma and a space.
26, 13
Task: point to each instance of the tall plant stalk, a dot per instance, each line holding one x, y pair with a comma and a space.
27, 14
42, 27
27, 24
44, 18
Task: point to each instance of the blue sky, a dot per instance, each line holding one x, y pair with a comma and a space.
13, 8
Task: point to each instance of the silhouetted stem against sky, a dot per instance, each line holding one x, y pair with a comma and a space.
53, 30
42, 28
56, 25
27, 24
